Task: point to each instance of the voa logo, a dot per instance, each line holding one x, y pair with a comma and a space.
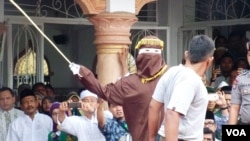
236, 132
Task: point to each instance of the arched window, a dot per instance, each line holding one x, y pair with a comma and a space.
25, 68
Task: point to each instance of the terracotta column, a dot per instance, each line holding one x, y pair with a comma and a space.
112, 31
112, 35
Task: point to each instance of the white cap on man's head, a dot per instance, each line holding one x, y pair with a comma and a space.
86, 93
222, 84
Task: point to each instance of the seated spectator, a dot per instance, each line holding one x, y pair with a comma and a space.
114, 129
208, 135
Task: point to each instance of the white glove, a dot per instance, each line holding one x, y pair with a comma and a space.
74, 68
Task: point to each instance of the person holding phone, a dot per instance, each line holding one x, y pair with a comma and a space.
222, 72
84, 127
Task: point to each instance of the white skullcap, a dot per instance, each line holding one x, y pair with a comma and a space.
86, 93
222, 84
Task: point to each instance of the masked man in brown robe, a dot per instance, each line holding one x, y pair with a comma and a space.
133, 92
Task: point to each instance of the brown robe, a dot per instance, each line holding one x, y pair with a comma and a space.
130, 92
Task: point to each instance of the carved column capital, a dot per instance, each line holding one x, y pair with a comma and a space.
112, 29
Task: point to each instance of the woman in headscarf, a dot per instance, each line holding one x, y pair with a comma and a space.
56, 134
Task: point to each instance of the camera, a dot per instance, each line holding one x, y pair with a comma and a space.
75, 105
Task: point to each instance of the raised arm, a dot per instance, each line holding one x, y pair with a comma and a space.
113, 92
100, 113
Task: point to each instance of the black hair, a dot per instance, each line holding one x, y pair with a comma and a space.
209, 115
218, 38
50, 87
236, 33
226, 89
226, 55
209, 131
49, 98
26, 92
7, 89
38, 84
200, 48
236, 63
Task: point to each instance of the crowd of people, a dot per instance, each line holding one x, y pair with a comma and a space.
156, 103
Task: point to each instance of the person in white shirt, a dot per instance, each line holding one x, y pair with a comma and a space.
32, 126
7, 111
183, 94
84, 127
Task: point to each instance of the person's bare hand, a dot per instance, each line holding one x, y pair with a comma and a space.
64, 106
216, 72
221, 102
87, 107
122, 56
239, 71
100, 101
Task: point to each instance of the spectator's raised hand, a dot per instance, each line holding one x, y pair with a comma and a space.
221, 102
64, 106
87, 107
122, 57
216, 72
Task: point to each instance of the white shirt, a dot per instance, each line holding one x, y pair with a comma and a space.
181, 89
83, 128
14, 113
25, 129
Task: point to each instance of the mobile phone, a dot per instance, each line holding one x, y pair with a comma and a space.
213, 97
74, 105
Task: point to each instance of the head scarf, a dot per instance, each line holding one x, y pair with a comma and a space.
150, 65
54, 106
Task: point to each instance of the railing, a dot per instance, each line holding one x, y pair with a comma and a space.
212, 10
67, 9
